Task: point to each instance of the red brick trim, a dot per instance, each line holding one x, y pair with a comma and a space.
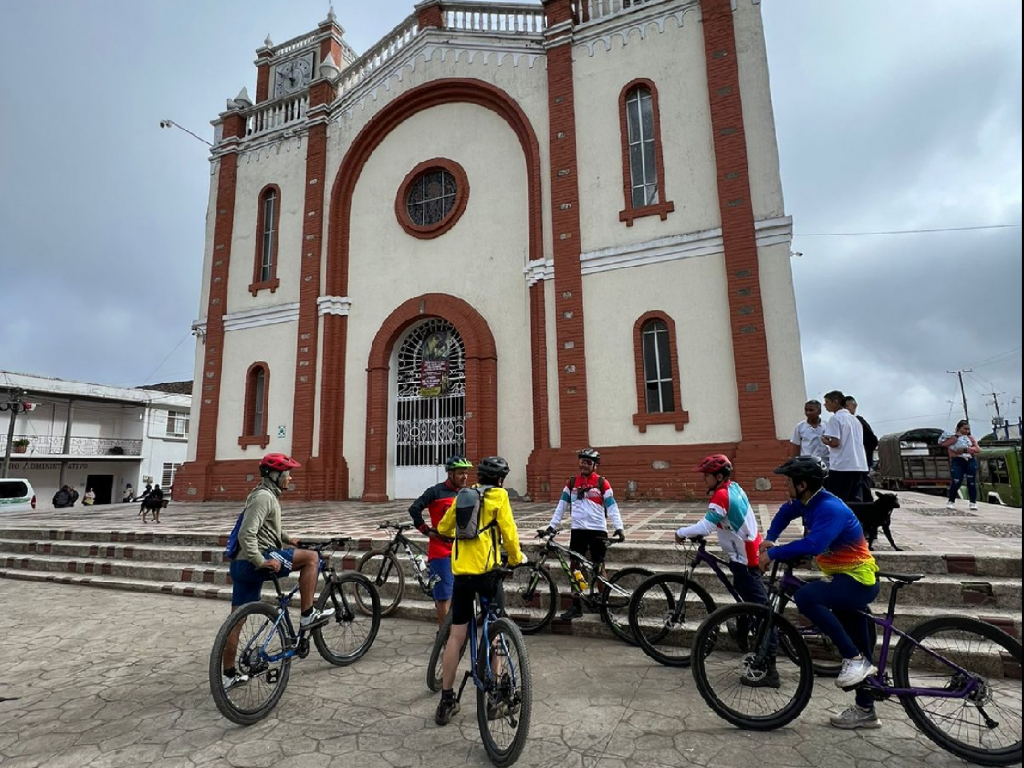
430, 231
331, 462
429, 14
272, 282
746, 311
481, 382
642, 419
662, 209
247, 437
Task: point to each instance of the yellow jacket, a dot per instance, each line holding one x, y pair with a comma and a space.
471, 557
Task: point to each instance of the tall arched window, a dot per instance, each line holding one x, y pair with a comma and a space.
643, 168
657, 372
257, 398
268, 219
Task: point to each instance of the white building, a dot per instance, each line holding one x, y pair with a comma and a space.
94, 436
515, 229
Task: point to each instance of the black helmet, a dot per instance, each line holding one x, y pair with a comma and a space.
492, 466
589, 453
804, 469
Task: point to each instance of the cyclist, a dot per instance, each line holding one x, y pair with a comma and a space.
588, 497
263, 550
732, 518
436, 500
474, 563
833, 535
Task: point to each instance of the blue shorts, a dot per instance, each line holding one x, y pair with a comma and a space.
442, 567
247, 580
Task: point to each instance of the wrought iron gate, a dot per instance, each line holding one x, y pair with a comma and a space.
431, 412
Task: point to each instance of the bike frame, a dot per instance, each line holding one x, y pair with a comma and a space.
399, 539
565, 556
490, 616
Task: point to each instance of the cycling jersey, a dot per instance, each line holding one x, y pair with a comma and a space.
833, 535
731, 515
588, 505
475, 556
436, 501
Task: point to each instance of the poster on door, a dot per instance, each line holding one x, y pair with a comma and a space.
434, 365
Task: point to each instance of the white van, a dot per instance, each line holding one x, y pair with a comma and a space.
16, 495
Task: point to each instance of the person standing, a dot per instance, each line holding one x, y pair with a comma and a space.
74, 495
844, 436
963, 465
589, 500
129, 494
436, 500
806, 439
870, 439
62, 498
90, 497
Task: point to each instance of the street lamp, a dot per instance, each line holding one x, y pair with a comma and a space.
172, 124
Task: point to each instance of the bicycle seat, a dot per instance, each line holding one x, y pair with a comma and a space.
906, 578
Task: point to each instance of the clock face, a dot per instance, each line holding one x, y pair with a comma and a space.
294, 74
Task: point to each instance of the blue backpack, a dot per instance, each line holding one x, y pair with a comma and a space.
233, 547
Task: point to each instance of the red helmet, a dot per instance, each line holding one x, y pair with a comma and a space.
715, 464
278, 462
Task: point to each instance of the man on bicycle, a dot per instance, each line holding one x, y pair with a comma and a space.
436, 500
833, 534
732, 518
588, 497
263, 551
475, 563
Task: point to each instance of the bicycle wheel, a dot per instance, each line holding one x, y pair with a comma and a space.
504, 704
958, 654
733, 658
349, 633
531, 598
384, 570
664, 614
615, 598
434, 666
261, 674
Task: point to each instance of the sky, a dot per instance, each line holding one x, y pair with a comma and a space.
889, 117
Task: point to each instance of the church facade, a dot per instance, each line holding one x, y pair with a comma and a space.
507, 229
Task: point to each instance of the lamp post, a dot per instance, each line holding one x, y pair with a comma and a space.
172, 124
15, 404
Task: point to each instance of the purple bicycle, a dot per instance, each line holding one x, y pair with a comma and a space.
958, 678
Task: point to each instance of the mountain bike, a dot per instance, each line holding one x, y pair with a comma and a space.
667, 608
383, 568
958, 678
531, 596
501, 675
267, 640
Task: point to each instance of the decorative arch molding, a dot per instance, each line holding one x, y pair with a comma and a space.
481, 382
335, 327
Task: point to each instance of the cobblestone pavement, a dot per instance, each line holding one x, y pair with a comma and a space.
921, 524
98, 679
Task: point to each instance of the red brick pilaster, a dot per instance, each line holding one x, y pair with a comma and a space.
429, 14
263, 56
565, 220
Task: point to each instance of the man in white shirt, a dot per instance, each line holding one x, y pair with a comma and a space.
844, 436
807, 434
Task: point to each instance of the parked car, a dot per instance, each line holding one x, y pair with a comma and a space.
16, 495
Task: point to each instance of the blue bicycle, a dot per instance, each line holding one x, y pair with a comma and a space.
263, 641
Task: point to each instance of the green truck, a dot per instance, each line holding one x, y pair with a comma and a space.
999, 472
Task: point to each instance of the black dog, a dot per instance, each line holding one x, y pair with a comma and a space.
875, 514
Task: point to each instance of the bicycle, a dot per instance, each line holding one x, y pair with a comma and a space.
501, 675
385, 571
267, 640
953, 675
667, 608
531, 596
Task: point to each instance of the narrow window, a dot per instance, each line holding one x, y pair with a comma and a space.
643, 167
268, 224
257, 388
658, 397
269, 220
657, 368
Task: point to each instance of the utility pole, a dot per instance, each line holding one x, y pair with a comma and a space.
963, 395
997, 421
15, 404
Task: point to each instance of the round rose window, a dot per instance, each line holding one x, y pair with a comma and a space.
432, 198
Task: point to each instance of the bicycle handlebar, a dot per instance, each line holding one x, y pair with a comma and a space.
388, 525
335, 542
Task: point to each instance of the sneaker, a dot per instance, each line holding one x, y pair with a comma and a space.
315, 619
854, 672
855, 717
233, 681
950, 505
753, 677
974, 506
447, 708
573, 613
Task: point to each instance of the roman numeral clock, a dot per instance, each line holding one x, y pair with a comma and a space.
294, 74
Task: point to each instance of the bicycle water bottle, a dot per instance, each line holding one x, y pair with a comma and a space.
580, 581
421, 563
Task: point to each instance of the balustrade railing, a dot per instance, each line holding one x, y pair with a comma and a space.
276, 114
494, 19
302, 41
385, 50
53, 445
598, 9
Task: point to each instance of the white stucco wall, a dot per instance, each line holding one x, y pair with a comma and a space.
783, 337
693, 292
275, 345
480, 260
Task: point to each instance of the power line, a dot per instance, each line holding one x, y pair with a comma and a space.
187, 335
906, 231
